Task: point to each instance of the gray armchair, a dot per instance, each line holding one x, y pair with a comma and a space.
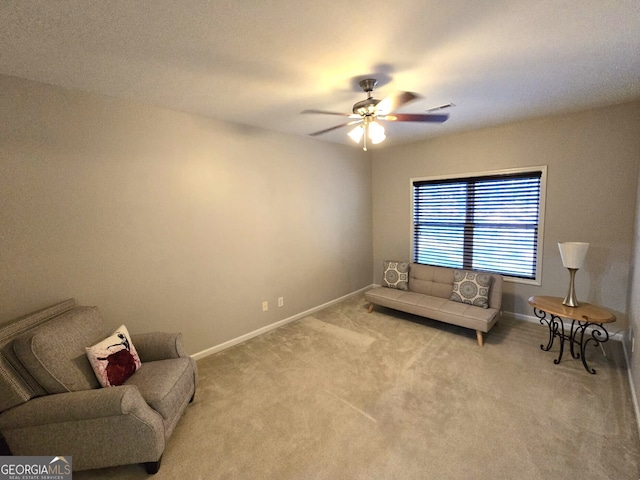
51, 401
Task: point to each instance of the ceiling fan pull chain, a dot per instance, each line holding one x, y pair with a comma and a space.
366, 134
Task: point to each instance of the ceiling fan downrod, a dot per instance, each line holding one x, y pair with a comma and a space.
366, 107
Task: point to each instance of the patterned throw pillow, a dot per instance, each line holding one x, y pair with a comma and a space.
114, 359
471, 287
396, 275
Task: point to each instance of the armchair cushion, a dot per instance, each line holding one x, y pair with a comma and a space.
155, 346
55, 355
114, 359
166, 385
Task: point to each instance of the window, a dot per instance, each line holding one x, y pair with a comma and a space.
491, 222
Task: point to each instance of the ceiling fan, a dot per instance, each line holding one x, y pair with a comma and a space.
367, 114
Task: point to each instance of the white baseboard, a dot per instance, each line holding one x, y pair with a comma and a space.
634, 397
273, 326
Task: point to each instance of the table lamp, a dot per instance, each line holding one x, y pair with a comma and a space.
572, 254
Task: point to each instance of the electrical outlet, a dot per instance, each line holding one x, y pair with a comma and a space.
265, 306
280, 301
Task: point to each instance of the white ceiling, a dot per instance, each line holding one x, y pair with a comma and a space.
262, 62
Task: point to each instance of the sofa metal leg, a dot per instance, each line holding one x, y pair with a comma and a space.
480, 337
153, 467
370, 307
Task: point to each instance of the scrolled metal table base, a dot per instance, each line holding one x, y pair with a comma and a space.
578, 337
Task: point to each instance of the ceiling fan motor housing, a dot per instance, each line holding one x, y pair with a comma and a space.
368, 84
365, 107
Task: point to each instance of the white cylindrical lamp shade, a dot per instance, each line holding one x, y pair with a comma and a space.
573, 253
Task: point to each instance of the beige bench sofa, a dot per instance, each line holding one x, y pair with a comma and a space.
427, 293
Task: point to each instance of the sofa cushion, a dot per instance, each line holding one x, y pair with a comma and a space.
396, 275
431, 280
54, 353
114, 359
436, 308
379, 295
471, 288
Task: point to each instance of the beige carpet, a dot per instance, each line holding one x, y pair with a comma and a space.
343, 394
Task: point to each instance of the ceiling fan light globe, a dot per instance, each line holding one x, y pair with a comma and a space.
356, 133
376, 133
378, 140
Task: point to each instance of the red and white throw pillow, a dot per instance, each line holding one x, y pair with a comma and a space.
114, 359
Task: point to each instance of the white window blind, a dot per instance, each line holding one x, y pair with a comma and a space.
488, 223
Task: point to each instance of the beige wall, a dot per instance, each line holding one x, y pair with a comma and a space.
172, 221
632, 351
169, 221
592, 160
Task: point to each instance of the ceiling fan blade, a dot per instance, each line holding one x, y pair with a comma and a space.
416, 117
440, 107
326, 112
327, 130
395, 101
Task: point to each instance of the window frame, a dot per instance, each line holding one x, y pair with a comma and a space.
479, 175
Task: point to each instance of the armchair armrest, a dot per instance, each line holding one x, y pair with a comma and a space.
78, 406
158, 346
84, 423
